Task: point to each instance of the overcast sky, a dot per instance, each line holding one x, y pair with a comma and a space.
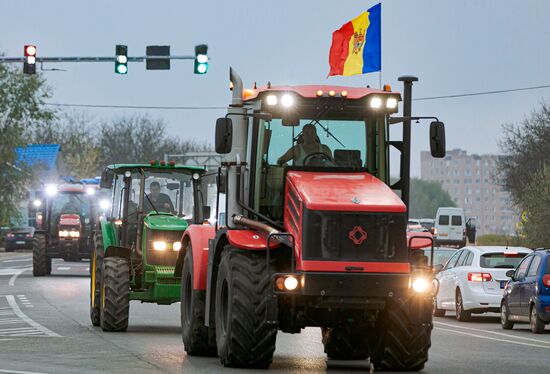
452, 46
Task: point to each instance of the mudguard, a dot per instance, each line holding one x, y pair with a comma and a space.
198, 236
108, 234
250, 239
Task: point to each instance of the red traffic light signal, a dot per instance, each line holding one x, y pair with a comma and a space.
29, 65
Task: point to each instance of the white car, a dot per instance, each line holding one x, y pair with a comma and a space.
473, 279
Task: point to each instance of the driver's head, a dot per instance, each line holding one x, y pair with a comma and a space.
309, 133
154, 188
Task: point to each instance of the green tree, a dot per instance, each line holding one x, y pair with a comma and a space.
426, 197
21, 108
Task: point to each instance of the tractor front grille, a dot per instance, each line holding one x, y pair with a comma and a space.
167, 257
337, 236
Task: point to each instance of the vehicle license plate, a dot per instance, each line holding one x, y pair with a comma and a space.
18, 242
502, 284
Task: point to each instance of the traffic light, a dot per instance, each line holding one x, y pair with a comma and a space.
201, 59
29, 65
121, 59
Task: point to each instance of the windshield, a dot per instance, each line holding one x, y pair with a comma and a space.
168, 192
347, 145
69, 203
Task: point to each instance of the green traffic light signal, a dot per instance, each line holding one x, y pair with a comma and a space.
201, 59
121, 59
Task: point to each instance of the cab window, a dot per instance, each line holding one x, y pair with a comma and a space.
522, 267
533, 269
452, 261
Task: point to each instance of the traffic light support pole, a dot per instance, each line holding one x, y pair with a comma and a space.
8, 60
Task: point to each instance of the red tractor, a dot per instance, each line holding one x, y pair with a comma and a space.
315, 232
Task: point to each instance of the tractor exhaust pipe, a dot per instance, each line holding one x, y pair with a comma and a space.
262, 227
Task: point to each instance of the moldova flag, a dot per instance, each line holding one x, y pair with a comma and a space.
356, 47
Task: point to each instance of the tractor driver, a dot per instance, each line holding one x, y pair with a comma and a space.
73, 206
308, 145
161, 201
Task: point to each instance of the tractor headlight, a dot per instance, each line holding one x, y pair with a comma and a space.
104, 204
51, 189
391, 103
271, 100
63, 233
159, 245
90, 191
291, 283
375, 103
176, 246
287, 100
423, 285
37, 203
74, 234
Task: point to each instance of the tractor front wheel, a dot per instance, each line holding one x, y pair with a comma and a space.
243, 335
41, 263
397, 344
346, 342
115, 294
194, 333
95, 280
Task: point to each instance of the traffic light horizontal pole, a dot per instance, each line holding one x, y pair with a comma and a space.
94, 59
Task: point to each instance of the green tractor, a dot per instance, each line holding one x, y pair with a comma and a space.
136, 246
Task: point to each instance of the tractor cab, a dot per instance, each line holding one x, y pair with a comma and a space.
138, 241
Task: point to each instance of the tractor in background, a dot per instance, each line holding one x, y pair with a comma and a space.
65, 219
138, 241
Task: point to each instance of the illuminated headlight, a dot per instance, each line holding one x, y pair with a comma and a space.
391, 103
37, 203
74, 234
63, 233
90, 191
291, 283
375, 102
51, 189
271, 100
159, 245
104, 204
287, 100
420, 285
176, 246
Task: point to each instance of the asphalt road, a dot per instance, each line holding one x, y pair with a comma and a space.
45, 328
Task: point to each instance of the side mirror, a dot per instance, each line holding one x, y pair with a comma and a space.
510, 273
291, 120
205, 212
418, 242
224, 135
438, 268
437, 139
107, 177
172, 186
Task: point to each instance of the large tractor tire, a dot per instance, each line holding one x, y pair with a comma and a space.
41, 263
115, 294
96, 264
194, 333
243, 336
346, 342
397, 344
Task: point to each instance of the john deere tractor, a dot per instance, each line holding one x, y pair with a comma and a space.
136, 246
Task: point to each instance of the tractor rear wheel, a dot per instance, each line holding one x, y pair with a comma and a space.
244, 337
345, 342
95, 280
115, 294
194, 333
41, 263
397, 344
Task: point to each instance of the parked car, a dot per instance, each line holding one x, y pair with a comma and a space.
19, 238
473, 280
527, 294
441, 255
450, 227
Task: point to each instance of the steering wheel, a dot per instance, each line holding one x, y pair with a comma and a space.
318, 156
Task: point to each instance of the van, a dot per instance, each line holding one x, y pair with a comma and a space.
450, 227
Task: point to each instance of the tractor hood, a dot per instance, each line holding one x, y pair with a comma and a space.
167, 222
358, 191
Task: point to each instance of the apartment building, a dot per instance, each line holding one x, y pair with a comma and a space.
469, 179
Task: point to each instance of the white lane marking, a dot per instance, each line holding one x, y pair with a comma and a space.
18, 260
63, 268
24, 317
14, 276
491, 338
493, 332
18, 372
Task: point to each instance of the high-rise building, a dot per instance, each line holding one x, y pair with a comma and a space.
470, 180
